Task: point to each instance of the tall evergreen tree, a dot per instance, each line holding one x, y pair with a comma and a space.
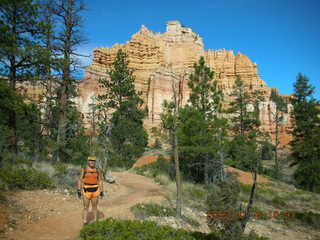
306, 135
205, 94
196, 145
127, 134
48, 66
27, 120
68, 38
243, 118
244, 111
203, 129
246, 146
19, 49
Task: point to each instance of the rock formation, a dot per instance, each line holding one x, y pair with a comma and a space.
160, 58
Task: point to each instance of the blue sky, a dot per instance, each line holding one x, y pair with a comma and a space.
281, 36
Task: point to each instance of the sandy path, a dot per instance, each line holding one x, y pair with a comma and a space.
53, 216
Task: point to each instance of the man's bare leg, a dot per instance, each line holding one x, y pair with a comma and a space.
86, 203
94, 204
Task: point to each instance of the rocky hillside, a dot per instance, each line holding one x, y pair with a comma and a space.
160, 58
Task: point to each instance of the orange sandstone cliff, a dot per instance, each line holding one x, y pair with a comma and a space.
160, 58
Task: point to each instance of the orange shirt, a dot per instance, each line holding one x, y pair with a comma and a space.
91, 176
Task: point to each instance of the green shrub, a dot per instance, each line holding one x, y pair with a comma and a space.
60, 168
265, 194
277, 201
308, 218
245, 188
3, 185
273, 173
222, 207
17, 177
253, 236
162, 179
157, 144
259, 214
230, 162
3, 198
66, 177
113, 229
133, 230
144, 210
195, 192
159, 167
194, 196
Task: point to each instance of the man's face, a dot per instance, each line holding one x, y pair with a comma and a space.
91, 163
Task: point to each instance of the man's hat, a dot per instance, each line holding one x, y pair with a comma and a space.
92, 158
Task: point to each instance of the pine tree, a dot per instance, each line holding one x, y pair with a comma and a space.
196, 145
244, 113
246, 146
19, 49
9, 101
306, 135
67, 38
27, 119
205, 94
127, 134
243, 118
49, 65
202, 134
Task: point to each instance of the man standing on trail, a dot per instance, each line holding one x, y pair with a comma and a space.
90, 186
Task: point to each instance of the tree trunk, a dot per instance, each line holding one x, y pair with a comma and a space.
12, 115
13, 128
178, 179
66, 77
221, 163
61, 137
277, 143
247, 214
206, 170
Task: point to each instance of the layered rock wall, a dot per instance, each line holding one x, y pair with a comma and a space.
159, 59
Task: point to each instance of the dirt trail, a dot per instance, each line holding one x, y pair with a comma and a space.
55, 216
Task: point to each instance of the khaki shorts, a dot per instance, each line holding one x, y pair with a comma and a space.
91, 191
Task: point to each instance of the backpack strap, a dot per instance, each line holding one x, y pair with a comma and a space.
84, 170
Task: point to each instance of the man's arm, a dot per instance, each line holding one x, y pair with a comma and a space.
101, 181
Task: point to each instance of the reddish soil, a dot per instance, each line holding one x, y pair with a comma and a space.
147, 159
246, 177
243, 177
4, 218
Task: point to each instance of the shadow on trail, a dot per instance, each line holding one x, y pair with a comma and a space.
90, 216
